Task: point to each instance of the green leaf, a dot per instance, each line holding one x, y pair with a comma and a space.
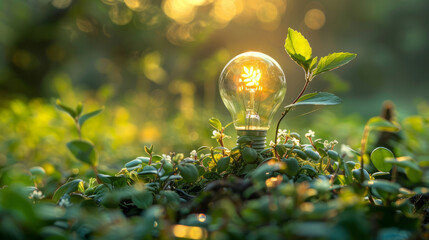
189, 172
298, 48
79, 109
333, 155
412, 170
87, 116
313, 64
333, 61
148, 150
66, 109
318, 98
215, 123
133, 163
156, 158
223, 164
67, 188
312, 154
84, 151
381, 124
292, 166
142, 199
148, 170
378, 158
309, 169
249, 155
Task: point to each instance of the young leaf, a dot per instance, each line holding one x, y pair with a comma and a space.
66, 109
69, 187
79, 109
381, 124
298, 48
333, 61
87, 116
379, 157
215, 123
84, 151
148, 150
320, 98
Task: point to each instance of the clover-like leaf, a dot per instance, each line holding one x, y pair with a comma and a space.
333, 61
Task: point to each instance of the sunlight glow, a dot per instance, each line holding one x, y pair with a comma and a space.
273, 181
250, 80
314, 19
202, 217
189, 232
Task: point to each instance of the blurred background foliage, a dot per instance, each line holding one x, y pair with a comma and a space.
155, 64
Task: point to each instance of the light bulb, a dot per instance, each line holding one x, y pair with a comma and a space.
252, 86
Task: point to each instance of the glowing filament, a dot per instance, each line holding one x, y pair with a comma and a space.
250, 80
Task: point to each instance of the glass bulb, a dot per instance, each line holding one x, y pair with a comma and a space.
252, 86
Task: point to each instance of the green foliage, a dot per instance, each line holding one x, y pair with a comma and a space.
379, 157
300, 51
318, 98
296, 188
84, 151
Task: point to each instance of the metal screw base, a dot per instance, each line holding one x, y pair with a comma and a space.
259, 138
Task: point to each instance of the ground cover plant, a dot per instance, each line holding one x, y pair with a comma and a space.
296, 188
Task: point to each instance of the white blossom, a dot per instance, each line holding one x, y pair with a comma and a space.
65, 202
333, 143
282, 133
295, 141
166, 157
36, 194
272, 144
326, 144
216, 134
194, 154
310, 134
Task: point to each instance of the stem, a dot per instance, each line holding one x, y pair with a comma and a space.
362, 150
221, 141
79, 132
94, 168
394, 173
307, 81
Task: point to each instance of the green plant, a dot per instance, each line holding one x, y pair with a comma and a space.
299, 187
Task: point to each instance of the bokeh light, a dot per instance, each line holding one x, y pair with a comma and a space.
314, 19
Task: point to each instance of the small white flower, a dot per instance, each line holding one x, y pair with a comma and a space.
346, 150
36, 194
326, 144
194, 154
282, 133
310, 134
333, 143
295, 141
216, 134
65, 202
272, 144
166, 157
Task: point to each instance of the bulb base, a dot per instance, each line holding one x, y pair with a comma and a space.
258, 137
